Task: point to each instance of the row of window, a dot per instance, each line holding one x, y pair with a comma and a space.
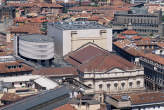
14, 66
145, 24
140, 21
116, 85
137, 15
147, 30
75, 32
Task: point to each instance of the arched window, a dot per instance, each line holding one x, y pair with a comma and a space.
160, 52
115, 85
108, 87
138, 83
122, 85
130, 84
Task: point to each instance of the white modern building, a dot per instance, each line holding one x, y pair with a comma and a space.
69, 36
35, 47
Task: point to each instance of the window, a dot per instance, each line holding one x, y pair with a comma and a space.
130, 84
160, 51
20, 66
138, 83
108, 87
9, 67
115, 85
14, 66
100, 87
102, 32
73, 33
90, 85
122, 85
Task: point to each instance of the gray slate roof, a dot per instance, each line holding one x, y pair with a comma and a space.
36, 38
41, 99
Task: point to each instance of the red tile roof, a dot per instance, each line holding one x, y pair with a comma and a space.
20, 19
72, 61
15, 66
52, 5
48, 5
146, 38
143, 97
124, 45
84, 54
39, 19
66, 107
56, 71
105, 63
25, 29
136, 37
129, 32
121, 36
82, 15
155, 58
20, 4
101, 8
93, 58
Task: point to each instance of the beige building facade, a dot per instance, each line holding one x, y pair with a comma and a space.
70, 36
106, 72
115, 81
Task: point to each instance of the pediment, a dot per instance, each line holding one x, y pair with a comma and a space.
113, 70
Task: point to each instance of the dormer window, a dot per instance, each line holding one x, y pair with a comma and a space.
14, 66
9, 67
20, 66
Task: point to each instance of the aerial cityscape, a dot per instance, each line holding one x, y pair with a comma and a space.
81, 54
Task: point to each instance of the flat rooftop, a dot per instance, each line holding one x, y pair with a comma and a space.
78, 25
36, 38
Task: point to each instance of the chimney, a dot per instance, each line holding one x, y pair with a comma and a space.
53, 1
